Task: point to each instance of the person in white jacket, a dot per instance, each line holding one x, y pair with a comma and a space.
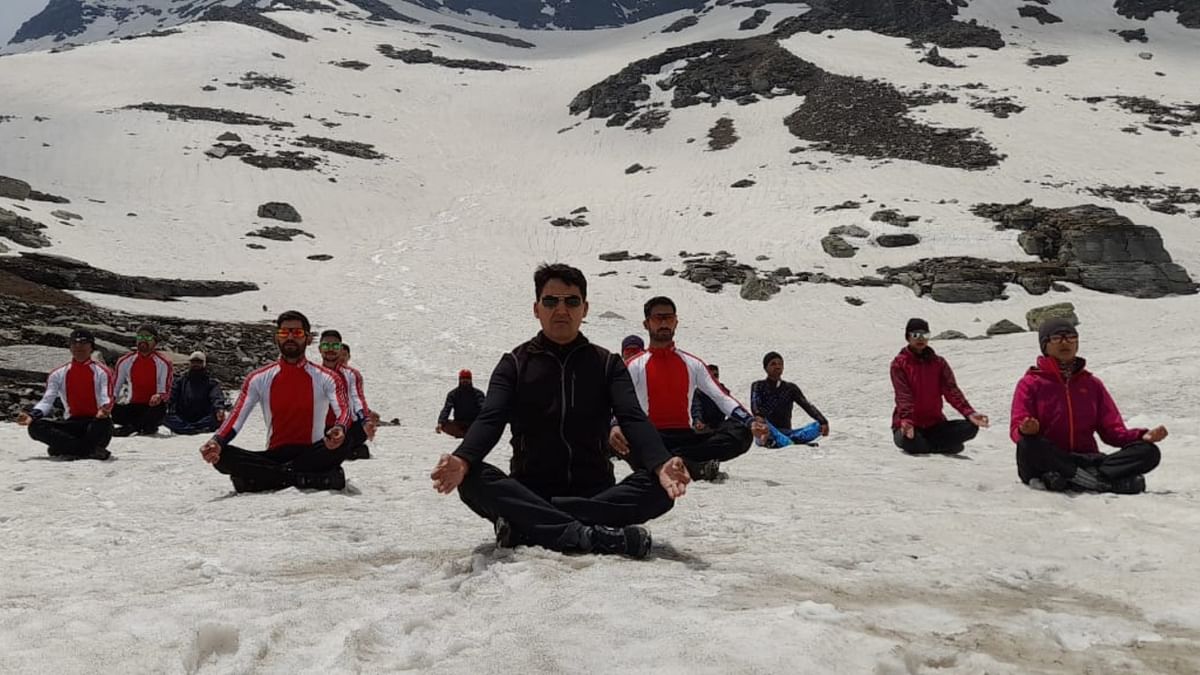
666, 378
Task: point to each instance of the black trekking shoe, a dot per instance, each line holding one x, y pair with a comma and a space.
708, 470
1090, 479
1130, 485
243, 484
100, 454
506, 537
1051, 481
632, 540
124, 431
361, 452
329, 480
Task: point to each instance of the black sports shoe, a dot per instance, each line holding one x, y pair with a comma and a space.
99, 454
244, 484
1130, 485
1051, 481
708, 470
361, 452
632, 540
334, 479
506, 537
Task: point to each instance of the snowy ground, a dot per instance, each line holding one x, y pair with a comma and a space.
844, 558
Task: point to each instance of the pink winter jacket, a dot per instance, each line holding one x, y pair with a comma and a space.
1070, 413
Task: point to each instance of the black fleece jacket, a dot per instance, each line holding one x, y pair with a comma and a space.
559, 400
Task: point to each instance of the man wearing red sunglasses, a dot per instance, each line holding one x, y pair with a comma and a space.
294, 395
558, 392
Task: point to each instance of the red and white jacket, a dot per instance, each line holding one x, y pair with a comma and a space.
146, 376
665, 380
84, 388
354, 389
294, 400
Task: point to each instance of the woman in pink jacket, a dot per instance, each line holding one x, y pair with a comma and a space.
1057, 410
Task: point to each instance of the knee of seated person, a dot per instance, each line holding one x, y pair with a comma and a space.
1152, 454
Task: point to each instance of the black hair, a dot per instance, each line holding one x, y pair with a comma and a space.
331, 332
148, 329
293, 315
655, 302
346, 346
570, 276
714, 367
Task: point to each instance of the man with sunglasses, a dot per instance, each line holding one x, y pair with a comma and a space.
666, 379
150, 376
921, 379
1058, 409
294, 394
84, 386
558, 392
465, 402
362, 428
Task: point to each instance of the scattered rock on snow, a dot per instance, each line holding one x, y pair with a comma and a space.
279, 211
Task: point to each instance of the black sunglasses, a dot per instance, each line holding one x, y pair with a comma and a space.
551, 301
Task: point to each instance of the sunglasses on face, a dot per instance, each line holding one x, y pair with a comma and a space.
1070, 339
919, 335
551, 301
146, 338
331, 346
284, 333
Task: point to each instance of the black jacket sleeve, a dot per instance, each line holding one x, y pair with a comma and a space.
644, 442
216, 396
486, 430
798, 397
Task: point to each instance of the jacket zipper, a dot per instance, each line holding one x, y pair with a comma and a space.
1070, 414
562, 420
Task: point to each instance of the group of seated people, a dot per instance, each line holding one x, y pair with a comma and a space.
299, 399
572, 406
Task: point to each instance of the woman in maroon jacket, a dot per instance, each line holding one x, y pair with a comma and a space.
921, 379
1057, 410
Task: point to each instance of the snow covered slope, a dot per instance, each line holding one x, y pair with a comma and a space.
843, 558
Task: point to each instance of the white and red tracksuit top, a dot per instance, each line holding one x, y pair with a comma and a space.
354, 389
84, 388
294, 399
146, 376
665, 380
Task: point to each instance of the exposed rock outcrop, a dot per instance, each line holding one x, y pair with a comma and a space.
67, 274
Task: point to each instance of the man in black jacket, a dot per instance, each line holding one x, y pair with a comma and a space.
197, 402
465, 402
772, 399
559, 392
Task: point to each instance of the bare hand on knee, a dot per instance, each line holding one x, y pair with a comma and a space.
449, 473
1155, 435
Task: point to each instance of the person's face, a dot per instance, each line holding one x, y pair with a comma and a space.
81, 351
464, 382
661, 323
331, 351
775, 369
716, 374
196, 366
1063, 347
292, 339
918, 340
561, 310
630, 352
146, 343
345, 356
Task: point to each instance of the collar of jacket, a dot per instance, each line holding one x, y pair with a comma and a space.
541, 343
1048, 367
926, 355
669, 349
